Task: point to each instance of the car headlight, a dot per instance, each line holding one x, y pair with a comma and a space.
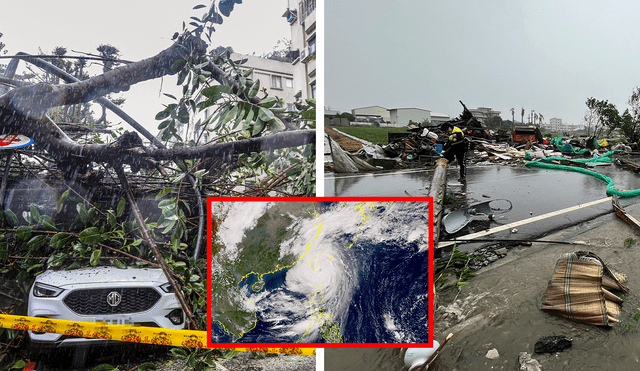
46, 291
167, 287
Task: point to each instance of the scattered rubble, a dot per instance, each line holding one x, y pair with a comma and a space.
526, 363
421, 146
553, 344
493, 354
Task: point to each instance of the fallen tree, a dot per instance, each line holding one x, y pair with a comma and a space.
257, 149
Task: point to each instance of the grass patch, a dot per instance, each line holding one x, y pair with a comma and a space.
632, 324
372, 134
629, 242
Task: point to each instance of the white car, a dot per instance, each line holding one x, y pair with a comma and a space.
141, 296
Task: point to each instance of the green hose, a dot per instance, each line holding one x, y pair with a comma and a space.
611, 188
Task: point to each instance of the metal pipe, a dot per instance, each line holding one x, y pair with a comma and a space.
154, 248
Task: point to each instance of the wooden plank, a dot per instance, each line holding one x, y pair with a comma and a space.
523, 222
620, 212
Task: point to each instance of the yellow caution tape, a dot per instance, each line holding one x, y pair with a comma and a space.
134, 334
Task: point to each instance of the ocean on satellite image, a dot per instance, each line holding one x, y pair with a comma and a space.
319, 272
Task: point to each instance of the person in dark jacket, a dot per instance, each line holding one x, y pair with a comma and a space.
456, 146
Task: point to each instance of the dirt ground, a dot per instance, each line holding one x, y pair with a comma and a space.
347, 143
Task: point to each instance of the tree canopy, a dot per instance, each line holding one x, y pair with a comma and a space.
224, 136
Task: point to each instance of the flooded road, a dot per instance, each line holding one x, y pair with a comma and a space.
532, 192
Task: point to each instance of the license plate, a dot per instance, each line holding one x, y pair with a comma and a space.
116, 320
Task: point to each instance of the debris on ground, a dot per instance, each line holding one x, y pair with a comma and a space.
581, 289
552, 344
422, 145
458, 219
526, 363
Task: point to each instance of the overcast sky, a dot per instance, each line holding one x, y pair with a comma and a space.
544, 55
140, 29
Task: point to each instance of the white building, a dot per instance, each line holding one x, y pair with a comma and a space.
555, 125
439, 118
401, 116
301, 15
372, 111
483, 113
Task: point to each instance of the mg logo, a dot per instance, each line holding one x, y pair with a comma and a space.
114, 298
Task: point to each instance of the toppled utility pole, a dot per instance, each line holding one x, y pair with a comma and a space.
437, 192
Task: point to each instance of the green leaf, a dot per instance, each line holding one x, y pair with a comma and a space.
47, 223
62, 200
19, 364
311, 102
11, 216
216, 91
23, 233
268, 102
229, 116
164, 192
265, 114
119, 264
309, 115
179, 353
95, 257
170, 203
255, 88
35, 266
177, 66
147, 366
164, 124
59, 240
56, 260
170, 225
279, 125
35, 214
111, 218
90, 236
36, 242
163, 114
257, 128
120, 208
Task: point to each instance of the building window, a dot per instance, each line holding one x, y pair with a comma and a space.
312, 46
276, 82
288, 82
290, 107
306, 8
313, 90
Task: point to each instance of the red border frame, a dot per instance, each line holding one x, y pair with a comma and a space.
210, 344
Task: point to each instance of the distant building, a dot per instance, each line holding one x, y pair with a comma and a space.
401, 116
438, 118
375, 111
483, 113
555, 125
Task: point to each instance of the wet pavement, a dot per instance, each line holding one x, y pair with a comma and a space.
532, 192
501, 307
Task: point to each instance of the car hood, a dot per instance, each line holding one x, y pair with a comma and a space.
101, 275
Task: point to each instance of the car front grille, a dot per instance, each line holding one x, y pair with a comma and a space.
95, 301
